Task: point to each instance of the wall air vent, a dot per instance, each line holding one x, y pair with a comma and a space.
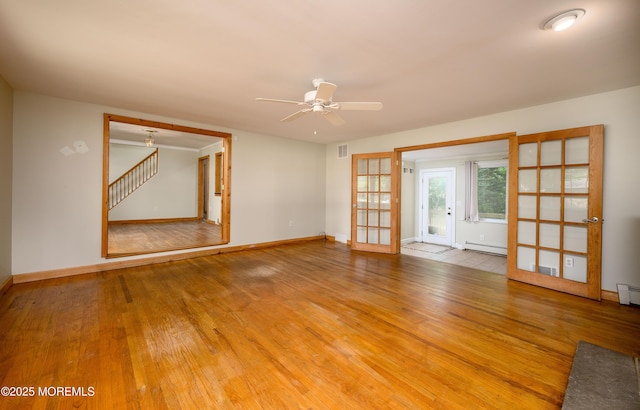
343, 151
548, 270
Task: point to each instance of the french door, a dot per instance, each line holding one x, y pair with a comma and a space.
436, 206
373, 205
555, 210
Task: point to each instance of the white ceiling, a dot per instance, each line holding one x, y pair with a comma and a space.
428, 61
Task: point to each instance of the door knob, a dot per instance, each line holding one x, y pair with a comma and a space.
593, 219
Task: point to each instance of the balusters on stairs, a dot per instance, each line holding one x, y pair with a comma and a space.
133, 179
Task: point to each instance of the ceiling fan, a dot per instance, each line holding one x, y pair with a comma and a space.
320, 100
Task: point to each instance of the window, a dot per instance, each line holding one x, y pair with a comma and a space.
492, 190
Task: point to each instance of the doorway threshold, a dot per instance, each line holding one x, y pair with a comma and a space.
468, 258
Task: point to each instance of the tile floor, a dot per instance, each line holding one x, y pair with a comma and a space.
469, 258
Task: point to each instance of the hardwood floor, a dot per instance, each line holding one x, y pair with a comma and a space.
313, 325
136, 238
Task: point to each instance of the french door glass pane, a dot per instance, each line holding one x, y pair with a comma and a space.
528, 155
527, 233
550, 208
373, 201
385, 201
385, 166
575, 238
527, 180
577, 272
551, 153
575, 208
576, 151
576, 180
385, 219
372, 236
526, 258
527, 207
362, 166
385, 183
373, 218
549, 235
385, 236
374, 183
374, 166
362, 184
550, 181
361, 201
549, 263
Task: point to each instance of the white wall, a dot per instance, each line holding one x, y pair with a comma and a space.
122, 157
408, 216
278, 190
617, 110
171, 193
277, 185
6, 163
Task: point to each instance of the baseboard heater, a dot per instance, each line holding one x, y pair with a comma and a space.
628, 295
475, 246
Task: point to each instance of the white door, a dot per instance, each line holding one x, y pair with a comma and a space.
436, 206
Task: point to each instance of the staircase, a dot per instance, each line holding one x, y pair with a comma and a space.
133, 179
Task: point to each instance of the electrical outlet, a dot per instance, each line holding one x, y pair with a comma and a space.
482, 237
568, 262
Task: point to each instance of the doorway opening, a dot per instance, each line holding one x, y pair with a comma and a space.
434, 185
203, 188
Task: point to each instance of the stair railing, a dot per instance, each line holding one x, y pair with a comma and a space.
133, 179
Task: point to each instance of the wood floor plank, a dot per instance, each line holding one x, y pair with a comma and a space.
313, 325
148, 237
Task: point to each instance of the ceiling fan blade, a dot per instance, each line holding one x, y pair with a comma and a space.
333, 118
280, 101
295, 115
325, 91
359, 106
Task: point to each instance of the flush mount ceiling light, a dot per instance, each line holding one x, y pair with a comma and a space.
149, 141
564, 21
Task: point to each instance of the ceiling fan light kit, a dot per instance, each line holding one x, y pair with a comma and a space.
321, 101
